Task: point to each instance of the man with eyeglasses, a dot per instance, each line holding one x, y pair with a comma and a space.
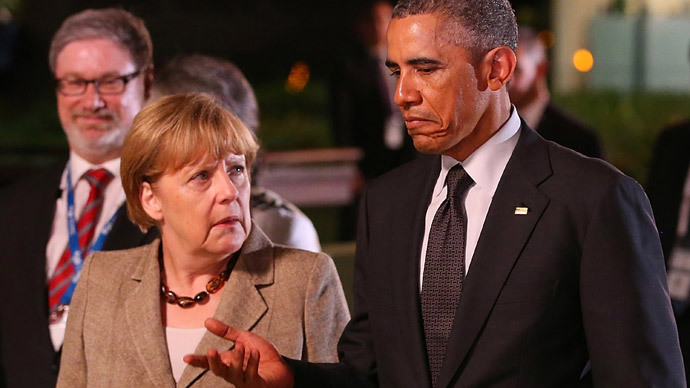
102, 63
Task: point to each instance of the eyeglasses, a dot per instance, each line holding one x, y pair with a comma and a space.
106, 85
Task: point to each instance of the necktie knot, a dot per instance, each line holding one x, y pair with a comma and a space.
98, 179
458, 182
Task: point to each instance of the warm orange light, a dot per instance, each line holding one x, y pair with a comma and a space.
583, 60
547, 38
298, 78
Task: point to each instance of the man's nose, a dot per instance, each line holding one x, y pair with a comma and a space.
92, 98
406, 92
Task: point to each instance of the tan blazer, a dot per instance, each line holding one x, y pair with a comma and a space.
115, 336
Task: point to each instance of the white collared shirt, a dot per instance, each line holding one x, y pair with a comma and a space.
485, 166
114, 197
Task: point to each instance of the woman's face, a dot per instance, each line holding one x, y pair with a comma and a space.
202, 208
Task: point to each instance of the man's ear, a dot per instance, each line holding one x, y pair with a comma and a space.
148, 82
500, 63
543, 69
150, 202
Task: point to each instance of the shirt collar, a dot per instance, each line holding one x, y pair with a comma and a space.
79, 166
486, 164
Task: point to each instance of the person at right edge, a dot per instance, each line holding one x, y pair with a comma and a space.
530, 266
668, 187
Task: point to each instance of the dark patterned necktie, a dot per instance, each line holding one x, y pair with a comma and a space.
444, 268
62, 277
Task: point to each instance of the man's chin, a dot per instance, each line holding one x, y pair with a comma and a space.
425, 144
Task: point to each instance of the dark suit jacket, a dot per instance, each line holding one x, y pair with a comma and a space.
580, 277
563, 129
26, 215
667, 173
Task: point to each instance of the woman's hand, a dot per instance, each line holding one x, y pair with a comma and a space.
252, 363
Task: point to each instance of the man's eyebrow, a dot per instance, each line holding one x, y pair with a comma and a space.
422, 61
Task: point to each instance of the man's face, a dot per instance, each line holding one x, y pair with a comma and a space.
523, 88
95, 123
438, 90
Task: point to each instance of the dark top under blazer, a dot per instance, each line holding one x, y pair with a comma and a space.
27, 357
580, 277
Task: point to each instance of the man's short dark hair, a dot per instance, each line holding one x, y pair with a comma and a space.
113, 24
218, 77
487, 24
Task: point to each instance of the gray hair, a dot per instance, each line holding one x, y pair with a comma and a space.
478, 25
218, 77
113, 24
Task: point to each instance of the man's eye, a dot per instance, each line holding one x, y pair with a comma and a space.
425, 70
395, 73
109, 81
74, 82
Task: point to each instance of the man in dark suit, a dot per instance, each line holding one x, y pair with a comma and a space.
529, 93
558, 264
363, 112
102, 62
668, 188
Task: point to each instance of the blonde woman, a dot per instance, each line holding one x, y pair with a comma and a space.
137, 312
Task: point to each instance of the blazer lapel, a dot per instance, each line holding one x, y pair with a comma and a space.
241, 304
406, 237
143, 314
503, 237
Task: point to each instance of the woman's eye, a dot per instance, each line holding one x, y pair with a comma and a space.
201, 176
237, 170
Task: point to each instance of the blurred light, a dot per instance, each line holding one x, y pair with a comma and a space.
583, 60
298, 78
547, 38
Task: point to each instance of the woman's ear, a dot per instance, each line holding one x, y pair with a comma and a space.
501, 62
150, 202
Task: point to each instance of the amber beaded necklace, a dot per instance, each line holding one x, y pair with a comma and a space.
216, 283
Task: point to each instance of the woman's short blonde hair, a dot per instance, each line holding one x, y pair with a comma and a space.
173, 132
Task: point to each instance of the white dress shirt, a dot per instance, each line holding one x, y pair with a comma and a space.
485, 166
114, 197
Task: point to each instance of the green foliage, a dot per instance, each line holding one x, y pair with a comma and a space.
627, 122
292, 120
12, 5
32, 124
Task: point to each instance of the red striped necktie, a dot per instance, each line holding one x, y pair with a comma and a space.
62, 277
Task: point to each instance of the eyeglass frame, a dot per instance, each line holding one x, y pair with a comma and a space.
126, 78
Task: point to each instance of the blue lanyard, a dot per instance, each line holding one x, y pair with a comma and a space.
77, 256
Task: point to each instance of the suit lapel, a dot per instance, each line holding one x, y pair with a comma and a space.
503, 237
407, 234
241, 304
148, 333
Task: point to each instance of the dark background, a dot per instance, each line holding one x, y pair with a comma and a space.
264, 37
